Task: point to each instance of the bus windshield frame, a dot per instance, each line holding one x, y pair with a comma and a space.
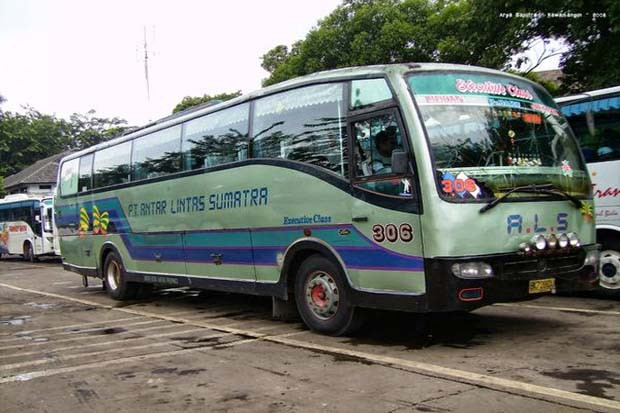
517, 137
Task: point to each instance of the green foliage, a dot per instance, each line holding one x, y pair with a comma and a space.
473, 32
2, 193
190, 101
28, 137
87, 130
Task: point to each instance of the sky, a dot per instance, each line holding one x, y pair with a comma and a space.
69, 56
65, 56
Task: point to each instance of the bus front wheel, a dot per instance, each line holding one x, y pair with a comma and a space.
115, 280
322, 298
609, 272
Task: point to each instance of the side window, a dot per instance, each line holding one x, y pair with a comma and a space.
598, 134
85, 181
369, 91
112, 165
607, 136
216, 138
375, 138
305, 125
156, 154
69, 177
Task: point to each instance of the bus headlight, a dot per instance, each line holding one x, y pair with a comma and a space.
472, 270
573, 239
539, 242
563, 240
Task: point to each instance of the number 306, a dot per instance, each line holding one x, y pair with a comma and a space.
392, 233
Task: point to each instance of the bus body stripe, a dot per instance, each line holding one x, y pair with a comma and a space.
356, 250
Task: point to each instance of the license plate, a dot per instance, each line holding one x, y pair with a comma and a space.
542, 286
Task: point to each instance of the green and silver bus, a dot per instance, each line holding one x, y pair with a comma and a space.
414, 187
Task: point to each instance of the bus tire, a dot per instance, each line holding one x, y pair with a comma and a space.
28, 252
114, 278
609, 270
322, 299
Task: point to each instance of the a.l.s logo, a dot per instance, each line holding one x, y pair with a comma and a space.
516, 223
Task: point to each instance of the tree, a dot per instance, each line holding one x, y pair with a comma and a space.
26, 138
190, 101
31, 136
87, 129
475, 32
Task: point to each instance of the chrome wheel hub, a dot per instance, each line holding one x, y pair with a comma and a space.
113, 275
322, 295
610, 269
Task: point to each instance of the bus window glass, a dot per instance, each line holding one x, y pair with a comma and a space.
69, 177
490, 133
369, 91
156, 154
86, 171
216, 138
598, 132
305, 125
375, 140
112, 165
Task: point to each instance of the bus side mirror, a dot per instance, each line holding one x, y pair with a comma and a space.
399, 162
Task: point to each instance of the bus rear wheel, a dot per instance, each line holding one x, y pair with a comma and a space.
28, 252
322, 298
115, 279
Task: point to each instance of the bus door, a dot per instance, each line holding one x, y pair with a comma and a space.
85, 211
67, 218
47, 227
385, 207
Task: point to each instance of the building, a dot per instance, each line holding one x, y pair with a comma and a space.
37, 179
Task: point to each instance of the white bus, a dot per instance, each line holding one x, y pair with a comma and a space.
27, 226
595, 119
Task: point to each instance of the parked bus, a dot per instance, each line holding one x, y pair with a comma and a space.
415, 187
27, 227
595, 119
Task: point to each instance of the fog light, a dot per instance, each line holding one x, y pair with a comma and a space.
573, 239
472, 270
539, 242
552, 241
563, 241
525, 247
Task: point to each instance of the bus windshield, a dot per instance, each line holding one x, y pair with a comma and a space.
489, 134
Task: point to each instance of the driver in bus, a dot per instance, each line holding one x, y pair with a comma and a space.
385, 142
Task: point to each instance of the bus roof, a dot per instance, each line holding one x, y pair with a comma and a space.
318, 77
588, 95
21, 197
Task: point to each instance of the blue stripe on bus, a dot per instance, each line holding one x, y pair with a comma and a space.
236, 245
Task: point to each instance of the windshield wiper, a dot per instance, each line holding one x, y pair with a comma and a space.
557, 191
533, 189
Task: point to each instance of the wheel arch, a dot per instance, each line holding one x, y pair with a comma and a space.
106, 248
299, 251
607, 236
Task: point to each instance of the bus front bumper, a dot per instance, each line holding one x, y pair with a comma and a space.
516, 277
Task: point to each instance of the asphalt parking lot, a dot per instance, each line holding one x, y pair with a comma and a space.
65, 347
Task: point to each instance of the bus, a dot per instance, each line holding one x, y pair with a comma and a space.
27, 227
595, 119
410, 187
